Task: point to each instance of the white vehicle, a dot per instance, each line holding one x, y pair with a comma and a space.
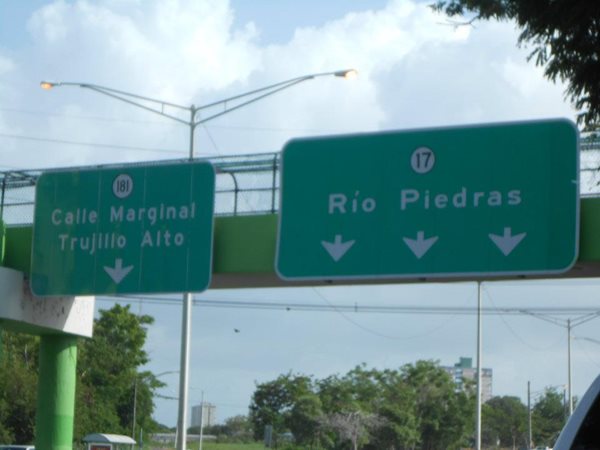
581, 431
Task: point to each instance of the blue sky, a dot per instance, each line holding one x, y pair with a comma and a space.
415, 70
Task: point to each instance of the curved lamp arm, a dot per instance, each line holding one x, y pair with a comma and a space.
134, 99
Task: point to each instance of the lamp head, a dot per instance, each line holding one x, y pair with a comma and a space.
47, 85
348, 74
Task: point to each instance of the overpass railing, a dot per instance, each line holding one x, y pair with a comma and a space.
245, 184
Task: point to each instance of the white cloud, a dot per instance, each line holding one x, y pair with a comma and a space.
47, 24
373, 41
6, 65
414, 71
171, 48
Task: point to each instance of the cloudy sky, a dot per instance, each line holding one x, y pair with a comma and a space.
416, 69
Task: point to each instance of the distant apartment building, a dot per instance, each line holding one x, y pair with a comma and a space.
463, 370
210, 415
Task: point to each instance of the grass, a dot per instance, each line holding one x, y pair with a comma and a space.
214, 446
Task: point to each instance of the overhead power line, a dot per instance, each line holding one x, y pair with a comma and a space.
90, 144
358, 308
158, 122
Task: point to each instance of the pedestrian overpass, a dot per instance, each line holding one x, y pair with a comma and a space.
246, 219
244, 248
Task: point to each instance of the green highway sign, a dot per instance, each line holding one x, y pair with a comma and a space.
124, 230
481, 201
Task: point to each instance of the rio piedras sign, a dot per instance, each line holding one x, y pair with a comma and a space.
478, 201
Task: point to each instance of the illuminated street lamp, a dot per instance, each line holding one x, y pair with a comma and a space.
158, 107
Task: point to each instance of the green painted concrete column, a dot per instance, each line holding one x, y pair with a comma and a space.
56, 392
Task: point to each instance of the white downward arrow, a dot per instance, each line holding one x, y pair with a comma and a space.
337, 248
420, 246
507, 242
118, 272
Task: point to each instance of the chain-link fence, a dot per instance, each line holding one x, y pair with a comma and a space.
245, 184
590, 165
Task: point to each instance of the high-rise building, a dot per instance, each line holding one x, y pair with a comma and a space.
463, 370
210, 415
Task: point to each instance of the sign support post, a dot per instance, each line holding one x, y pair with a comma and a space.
479, 366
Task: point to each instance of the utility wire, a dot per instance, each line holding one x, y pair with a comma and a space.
512, 331
90, 144
83, 117
156, 122
356, 308
358, 325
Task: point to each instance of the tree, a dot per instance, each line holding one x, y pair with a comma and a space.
548, 417
367, 388
353, 426
305, 419
110, 382
18, 387
272, 403
445, 416
336, 394
565, 35
109, 379
417, 406
504, 422
400, 427
352, 408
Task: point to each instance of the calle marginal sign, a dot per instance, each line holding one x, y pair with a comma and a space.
487, 200
124, 230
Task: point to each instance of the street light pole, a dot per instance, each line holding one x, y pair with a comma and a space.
186, 333
569, 392
158, 106
479, 367
569, 324
529, 433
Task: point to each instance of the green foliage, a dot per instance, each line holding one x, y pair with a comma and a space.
305, 418
504, 422
565, 35
272, 403
445, 416
548, 417
18, 387
337, 394
399, 411
356, 427
414, 407
109, 380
